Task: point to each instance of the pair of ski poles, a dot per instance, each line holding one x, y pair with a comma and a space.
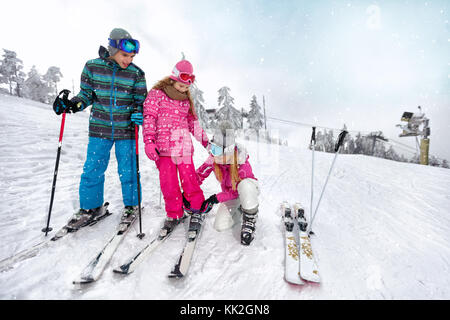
336, 150
47, 229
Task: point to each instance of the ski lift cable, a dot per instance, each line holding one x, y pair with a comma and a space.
401, 147
404, 145
409, 148
308, 125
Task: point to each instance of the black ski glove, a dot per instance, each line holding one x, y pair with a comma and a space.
63, 104
209, 203
76, 104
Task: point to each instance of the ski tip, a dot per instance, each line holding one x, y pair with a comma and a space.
298, 206
283, 206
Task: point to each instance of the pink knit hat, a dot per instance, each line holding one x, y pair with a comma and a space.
183, 72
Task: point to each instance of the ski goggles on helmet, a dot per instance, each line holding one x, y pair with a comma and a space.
217, 150
184, 77
187, 77
127, 45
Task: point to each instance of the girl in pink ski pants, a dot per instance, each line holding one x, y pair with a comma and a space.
169, 121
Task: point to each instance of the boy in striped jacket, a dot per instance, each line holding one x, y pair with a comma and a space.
116, 89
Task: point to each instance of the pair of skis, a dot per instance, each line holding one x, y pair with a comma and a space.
181, 267
300, 263
95, 267
34, 250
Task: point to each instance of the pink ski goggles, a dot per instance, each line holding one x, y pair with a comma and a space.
187, 77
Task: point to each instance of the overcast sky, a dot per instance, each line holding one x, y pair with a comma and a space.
326, 63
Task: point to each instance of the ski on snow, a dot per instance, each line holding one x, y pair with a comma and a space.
195, 225
33, 250
291, 254
132, 263
300, 263
95, 267
308, 265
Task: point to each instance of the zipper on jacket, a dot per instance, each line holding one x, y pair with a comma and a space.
112, 104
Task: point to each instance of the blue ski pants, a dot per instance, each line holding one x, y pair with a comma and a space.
93, 176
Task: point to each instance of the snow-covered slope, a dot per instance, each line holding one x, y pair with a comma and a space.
382, 231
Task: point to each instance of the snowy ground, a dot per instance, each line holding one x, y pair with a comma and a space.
382, 232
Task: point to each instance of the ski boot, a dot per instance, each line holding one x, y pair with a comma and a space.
83, 218
129, 214
195, 224
169, 225
248, 227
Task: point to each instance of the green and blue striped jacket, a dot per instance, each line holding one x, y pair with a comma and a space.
113, 93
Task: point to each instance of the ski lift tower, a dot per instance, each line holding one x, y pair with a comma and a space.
417, 125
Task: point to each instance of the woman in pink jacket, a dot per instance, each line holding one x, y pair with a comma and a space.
169, 121
240, 190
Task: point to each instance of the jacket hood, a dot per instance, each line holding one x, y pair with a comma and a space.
103, 52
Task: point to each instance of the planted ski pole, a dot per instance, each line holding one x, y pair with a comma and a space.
336, 149
65, 99
136, 133
313, 146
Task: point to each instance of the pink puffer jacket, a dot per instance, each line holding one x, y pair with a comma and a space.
168, 124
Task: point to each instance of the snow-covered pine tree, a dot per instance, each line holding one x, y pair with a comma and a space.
366, 145
358, 144
380, 149
34, 87
403, 158
391, 154
197, 97
329, 141
319, 141
3, 77
255, 117
350, 146
52, 77
433, 161
227, 110
347, 143
11, 71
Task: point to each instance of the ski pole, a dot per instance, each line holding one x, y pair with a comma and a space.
136, 133
336, 149
65, 93
313, 145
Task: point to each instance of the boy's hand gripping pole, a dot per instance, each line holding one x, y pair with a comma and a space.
65, 94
